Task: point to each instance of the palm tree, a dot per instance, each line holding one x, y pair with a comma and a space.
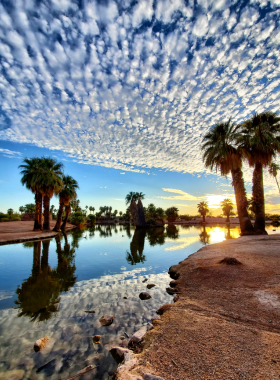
86, 209
273, 169
134, 196
220, 153
120, 213
259, 141
203, 209
51, 183
227, 207
65, 196
31, 179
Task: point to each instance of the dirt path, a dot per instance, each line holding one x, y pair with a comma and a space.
16, 232
226, 322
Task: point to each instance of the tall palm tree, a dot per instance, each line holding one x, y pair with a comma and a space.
227, 207
51, 183
65, 196
31, 179
133, 196
220, 153
259, 141
273, 169
203, 209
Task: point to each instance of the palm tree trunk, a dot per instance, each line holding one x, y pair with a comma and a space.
67, 211
203, 216
38, 212
46, 225
277, 183
241, 203
227, 219
59, 217
258, 198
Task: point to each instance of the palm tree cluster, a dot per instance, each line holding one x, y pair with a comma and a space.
44, 177
256, 141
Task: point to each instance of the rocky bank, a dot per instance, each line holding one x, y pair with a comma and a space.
225, 323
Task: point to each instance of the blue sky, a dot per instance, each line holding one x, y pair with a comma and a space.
114, 87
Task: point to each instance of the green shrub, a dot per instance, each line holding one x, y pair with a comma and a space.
92, 218
151, 221
77, 218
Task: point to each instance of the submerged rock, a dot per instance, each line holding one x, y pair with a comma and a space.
106, 320
96, 338
144, 296
40, 343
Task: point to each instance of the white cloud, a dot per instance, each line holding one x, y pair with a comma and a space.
87, 83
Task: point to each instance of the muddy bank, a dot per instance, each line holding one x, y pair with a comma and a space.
225, 323
18, 232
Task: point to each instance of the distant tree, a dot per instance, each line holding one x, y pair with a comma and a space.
227, 207
273, 169
171, 213
120, 213
21, 209
203, 209
29, 207
115, 212
10, 211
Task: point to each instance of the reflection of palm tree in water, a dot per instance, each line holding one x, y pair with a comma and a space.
38, 296
104, 231
156, 236
127, 230
135, 255
172, 232
204, 237
228, 235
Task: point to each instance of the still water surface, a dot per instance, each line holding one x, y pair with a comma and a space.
46, 286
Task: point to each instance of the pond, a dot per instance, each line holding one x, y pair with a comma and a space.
46, 287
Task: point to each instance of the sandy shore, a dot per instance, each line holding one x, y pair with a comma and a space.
17, 232
225, 323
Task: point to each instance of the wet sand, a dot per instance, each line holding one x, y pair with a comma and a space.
17, 232
225, 323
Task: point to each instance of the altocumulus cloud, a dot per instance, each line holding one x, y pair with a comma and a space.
134, 85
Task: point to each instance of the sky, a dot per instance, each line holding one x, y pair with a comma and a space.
122, 92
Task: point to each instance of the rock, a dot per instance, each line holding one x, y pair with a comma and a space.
106, 320
15, 374
149, 326
122, 337
125, 298
155, 317
90, 311
137, 213
163, 309
40, 343
137, 337
150, 286
173, 283
230, 261
173, 272
144, 296
176, 298
96, 338
171, 291
145, 280
118, 353
147, 376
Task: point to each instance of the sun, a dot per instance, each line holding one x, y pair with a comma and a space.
214, 200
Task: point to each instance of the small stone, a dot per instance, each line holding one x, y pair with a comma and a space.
137, 337
96, 339
106, 320
155, 317
144, 296
149, 326
147, 376
145, 280
125, 298
122, 337
150, 286
171, 291
40, 343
